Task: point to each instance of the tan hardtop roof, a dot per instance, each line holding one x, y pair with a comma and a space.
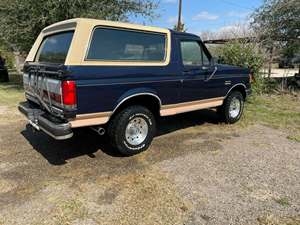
96, 22
83, 32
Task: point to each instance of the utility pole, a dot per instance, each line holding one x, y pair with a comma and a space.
179, 24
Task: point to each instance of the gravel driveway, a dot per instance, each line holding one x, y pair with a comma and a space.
196, 172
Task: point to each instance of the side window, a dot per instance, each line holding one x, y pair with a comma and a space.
192, 54
54, 48
126, 45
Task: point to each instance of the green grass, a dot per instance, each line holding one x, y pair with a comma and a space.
273, 220
11, 94
282, 201
294, 137
276, 111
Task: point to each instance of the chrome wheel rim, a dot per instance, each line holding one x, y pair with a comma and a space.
136, 131
235, 107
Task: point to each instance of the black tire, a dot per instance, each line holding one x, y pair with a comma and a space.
224, 110
117, 129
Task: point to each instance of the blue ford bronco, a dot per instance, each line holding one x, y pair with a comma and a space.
120, 78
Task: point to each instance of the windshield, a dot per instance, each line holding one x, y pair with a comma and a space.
54, 48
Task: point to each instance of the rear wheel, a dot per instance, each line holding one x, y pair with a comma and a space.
232, 108
132, 130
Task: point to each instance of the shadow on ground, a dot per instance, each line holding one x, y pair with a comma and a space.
87, 142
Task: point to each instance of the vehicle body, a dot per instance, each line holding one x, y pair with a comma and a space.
120, 77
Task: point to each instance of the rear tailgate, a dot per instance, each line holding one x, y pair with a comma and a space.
44, 77
43, 85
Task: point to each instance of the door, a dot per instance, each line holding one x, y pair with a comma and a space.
196, 71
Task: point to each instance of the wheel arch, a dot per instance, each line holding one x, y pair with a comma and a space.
238, 87
146, 98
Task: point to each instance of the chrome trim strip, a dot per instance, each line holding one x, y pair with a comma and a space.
134, 95
154, 81
139, 82
238, 84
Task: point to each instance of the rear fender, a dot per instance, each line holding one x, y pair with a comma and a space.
134, 93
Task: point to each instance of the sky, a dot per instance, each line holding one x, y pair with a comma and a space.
203, 15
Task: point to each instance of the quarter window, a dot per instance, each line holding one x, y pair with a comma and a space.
126, 45
54, 48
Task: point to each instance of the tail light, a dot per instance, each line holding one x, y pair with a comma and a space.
69, 93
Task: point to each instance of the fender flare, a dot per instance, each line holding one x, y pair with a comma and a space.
236, 85
133, 93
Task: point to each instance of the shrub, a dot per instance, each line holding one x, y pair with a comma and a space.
246, 55
8, 55
242, 54
10, 60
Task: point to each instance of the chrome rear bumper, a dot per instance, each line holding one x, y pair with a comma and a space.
40, 120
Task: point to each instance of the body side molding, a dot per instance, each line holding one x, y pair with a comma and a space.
168, 110
93, 119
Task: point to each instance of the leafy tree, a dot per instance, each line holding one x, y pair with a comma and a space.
22, 20
277, 23
278, 20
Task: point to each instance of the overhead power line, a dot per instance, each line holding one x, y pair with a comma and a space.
236, 5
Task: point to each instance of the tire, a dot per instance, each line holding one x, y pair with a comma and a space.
132, 130
228, 112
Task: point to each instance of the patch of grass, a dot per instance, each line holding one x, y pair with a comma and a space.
277, 111
69, 211
295, 137
282, 201
272, 220
11, 93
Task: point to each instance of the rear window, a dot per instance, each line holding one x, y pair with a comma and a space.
54, 48
126, 45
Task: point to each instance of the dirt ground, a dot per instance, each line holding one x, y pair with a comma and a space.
197, 171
